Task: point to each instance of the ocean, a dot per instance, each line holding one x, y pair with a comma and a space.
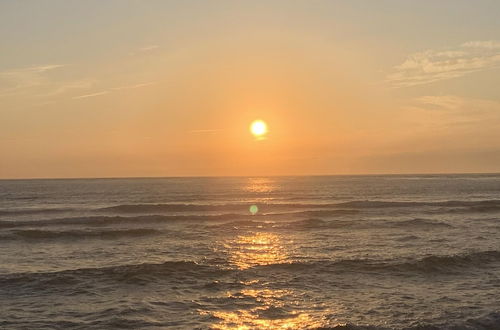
346, 252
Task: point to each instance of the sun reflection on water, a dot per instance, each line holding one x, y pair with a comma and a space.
249, 320
260, 185
268, 308
256, 249
262, 304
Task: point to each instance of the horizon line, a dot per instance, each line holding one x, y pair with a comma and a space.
244, 176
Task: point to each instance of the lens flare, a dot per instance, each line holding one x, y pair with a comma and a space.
254, 209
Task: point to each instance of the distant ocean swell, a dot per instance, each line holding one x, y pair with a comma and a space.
310, 220
360, 204
317, 223
460, 206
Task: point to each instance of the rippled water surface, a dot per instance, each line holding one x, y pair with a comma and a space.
251, 253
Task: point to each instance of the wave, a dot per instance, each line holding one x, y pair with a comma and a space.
147, 208
430, 264
102, 220
136, 273
493, 204
171, 270
367, 224
118, 220
481, 205
304, 209
228, 221
485, 322
324, 213
437, 263
318, 223
33, 211
418, 223
35, 235
350, 326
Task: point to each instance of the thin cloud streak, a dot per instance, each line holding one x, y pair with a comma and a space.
149, 48
204, 131
90, 95
114, 89
145, 49
133, 86
68, 86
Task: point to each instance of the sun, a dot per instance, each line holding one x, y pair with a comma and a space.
258, 128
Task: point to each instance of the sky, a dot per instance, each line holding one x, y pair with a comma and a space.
132, 88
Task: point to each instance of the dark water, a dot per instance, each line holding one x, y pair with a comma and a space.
347, 252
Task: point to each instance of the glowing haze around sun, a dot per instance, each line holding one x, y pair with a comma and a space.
258, 128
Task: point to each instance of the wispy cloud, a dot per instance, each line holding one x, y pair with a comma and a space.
43, 68
453, 105
472, 119
435, 65
148, 48
16, 80
90, 95
69, 86
204, 131
133, 86
490, 44
145, 49
113, 89
446, 102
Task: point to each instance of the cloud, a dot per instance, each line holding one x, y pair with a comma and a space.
68, 86
452, 108
433, 65
133, 86
145, 49
90, 95
43, 68
113, 89
204, 131
491, 44
33, 82
148, 48
447, 102
22, 78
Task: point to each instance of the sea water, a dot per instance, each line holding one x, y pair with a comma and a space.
396, 251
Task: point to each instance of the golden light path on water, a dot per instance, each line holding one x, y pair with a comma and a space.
260, 248
256, 250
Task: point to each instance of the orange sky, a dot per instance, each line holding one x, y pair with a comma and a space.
96, 89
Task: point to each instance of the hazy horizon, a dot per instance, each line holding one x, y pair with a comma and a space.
254, 176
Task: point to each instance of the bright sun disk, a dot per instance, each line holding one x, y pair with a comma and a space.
258, 128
